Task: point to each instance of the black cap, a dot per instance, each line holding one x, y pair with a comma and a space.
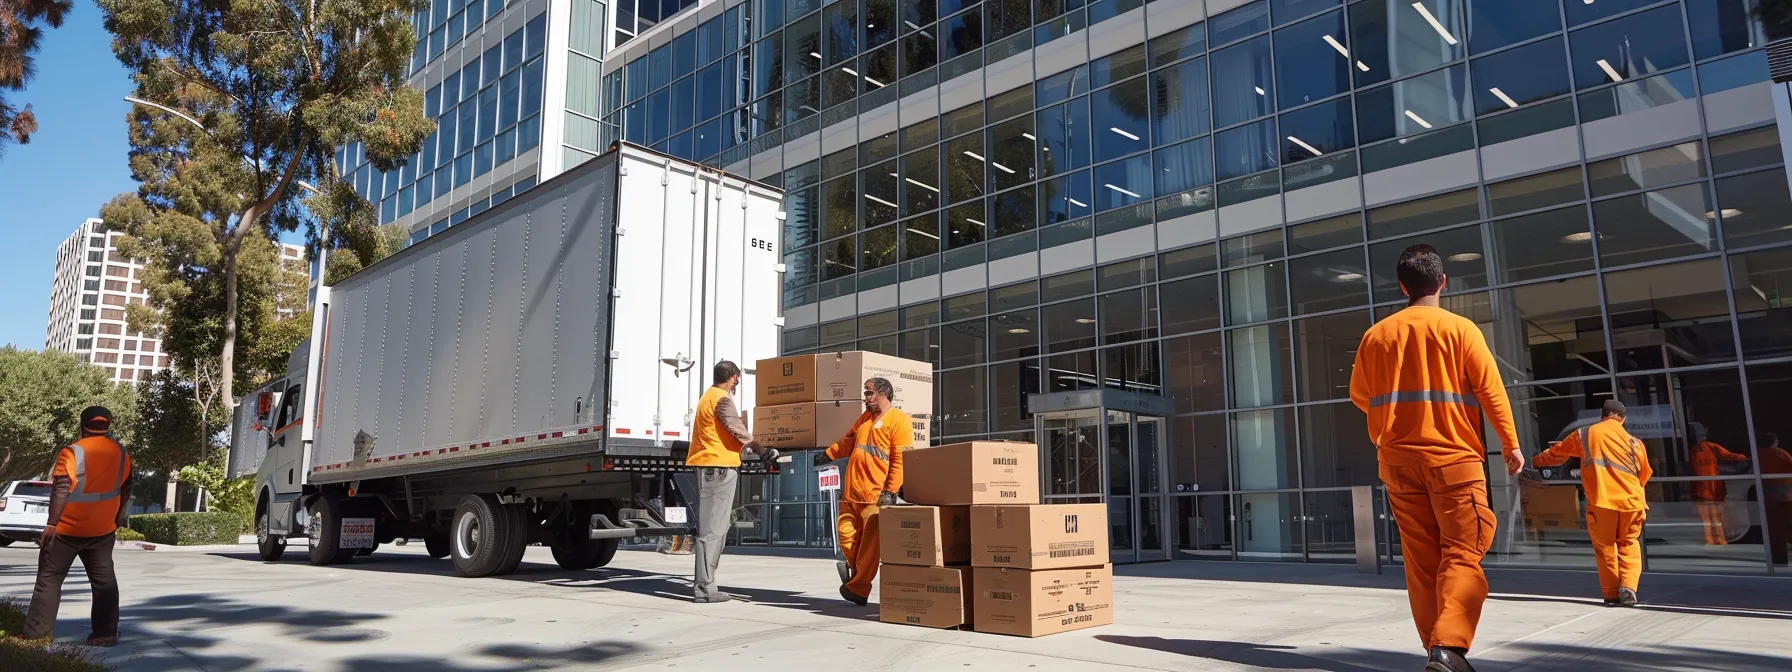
96, 419
1613, 407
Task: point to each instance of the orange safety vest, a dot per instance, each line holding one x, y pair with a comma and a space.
874, 446
98, 467
1425, 378
712, 445
1614, 466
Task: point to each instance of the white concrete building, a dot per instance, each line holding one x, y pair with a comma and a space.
92, 286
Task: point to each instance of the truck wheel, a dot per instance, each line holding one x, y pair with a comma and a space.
436, 543
480, 536
574, 549
326, 532
271, 545
518, 541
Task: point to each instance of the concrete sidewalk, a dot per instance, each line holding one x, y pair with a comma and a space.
400, 611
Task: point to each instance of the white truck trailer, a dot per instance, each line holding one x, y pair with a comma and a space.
514, 379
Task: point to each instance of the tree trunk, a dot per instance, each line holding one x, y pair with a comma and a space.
227, 358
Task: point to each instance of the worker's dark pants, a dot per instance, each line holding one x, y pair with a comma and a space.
53, 563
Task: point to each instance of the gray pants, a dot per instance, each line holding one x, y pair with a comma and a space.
715, 515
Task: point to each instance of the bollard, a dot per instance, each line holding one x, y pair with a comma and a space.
1362, 507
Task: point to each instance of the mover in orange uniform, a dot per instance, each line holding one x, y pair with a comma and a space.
1614, 467
873, 475
1709, 496
87, 506
1425, 378
1776, 470
718, 435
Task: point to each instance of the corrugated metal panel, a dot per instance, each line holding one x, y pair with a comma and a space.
1779, 60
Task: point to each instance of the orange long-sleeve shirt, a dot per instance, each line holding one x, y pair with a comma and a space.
1704, 457
1614, 466
1424, 376
875, 445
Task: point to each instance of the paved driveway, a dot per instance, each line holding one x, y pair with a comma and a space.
398, 611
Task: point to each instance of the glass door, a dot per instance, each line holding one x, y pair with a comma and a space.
1121, 516
1073, 447
1149, 446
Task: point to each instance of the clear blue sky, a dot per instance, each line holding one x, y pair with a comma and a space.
74, 164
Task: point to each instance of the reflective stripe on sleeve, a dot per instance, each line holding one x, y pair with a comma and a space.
1431, 396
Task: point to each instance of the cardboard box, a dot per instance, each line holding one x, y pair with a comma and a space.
933, 597
1038, 603
1550, 508
805, 425
979, 472
784, 380
841, 376
1039, 536
928, 536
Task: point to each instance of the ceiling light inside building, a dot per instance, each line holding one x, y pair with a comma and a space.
869, 197
1002, 168
1305, 146
849, 71
1336, 45
1726, 213
1349, 276
1077, 203
1433, 21
973, 155
1416, 118
1085, 320
1465, 256
1609, 72
973, 221
928, 187
1020, 330
1123, 191
1125, 134
1578, 237
1503, 97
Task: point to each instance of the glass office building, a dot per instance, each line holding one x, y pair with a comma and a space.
1203, 201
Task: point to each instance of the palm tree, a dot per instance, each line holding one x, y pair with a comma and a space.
21, 26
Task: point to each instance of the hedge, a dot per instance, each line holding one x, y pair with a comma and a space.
17, 653
128, 534
189, 529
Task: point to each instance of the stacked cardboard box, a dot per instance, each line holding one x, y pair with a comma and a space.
1036, 569
810, 401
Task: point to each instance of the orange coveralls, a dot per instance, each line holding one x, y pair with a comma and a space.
1425, 377
1776, 468
1708, 496
1614, 467
875, 445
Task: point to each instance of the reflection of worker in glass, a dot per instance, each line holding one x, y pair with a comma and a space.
1776, 468
1614, 467
1708, 496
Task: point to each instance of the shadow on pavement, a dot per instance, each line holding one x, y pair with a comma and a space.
1268, 656
1562, 657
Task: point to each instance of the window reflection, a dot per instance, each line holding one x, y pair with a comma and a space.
1066, 198
1661, 224
1260, 366
1065, 140
1636, 45
1648, 169
1247, 149
1673, 315
1535, 192
1520, 76
1313, 60
1754, 207
1395, 38
1328, 281
1009, 385
1327, 352
1196, 372
1544, 331
1414, 105
1128, 316
1123, 183
963, 402
1762, 281
1198, 456
1179, 102
1069, 326
1541, 245
1241, 82
1120, 114
1317, 131
1265, 452
1335, 451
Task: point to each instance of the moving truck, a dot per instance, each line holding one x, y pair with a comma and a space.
519, 377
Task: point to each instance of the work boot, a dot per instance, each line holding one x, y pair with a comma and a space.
849, 596
844, 569
1626, 597
1611, 602
717, 598
1444, 659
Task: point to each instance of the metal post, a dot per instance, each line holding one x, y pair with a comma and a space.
1362, 507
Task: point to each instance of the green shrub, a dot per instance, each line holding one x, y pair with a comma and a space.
17, 653
128, 534
189, 529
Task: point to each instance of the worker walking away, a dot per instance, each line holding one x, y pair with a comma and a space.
1425, 378
873, 449
1709, 496
87, 506
1614, 467
718, 435
1776, 472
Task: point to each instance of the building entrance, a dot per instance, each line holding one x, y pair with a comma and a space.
1109, 446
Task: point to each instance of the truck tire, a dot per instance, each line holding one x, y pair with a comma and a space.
326, 532
480, 535
573, 548
270, 545
4, 542
520, 523
436, 543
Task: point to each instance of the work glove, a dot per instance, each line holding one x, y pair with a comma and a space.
886, 498
821, 458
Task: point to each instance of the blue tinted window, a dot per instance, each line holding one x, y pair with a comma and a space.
432, 103
1179, 44
536, 36
1498, 23
1317, 131
1179, 103
532, 87
482, 159
1721, 26
1581, 12
1239, 23
768, 65
709, 91
841, 25
659, 67
1312, 62
880, 22
488, 112
1063, 137
658, 123
1289, 10
1123, 183
1246, 150
468, 126
1185, 166
509, 92
1734, 72
1413, 105
1241, 82
1121, 65
1634, 46
494, 57
1520, 76
684, 54
528, 135
1395, 39
1062, 86
1065, 198
1119, 114
684, 104
680, 146
513, 54
506, 144
708, 139
451, 90
948, 7
960, 35
446, 130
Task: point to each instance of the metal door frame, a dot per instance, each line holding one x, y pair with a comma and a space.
1102, 405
